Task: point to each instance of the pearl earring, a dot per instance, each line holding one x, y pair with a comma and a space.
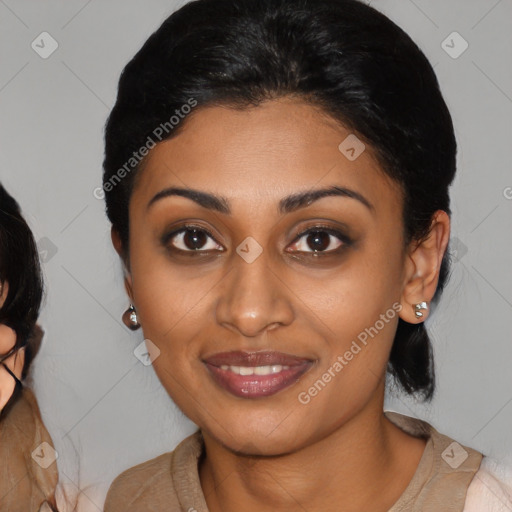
130, 318
418, 307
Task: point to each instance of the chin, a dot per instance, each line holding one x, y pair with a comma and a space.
252, 436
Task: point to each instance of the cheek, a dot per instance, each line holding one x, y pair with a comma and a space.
7, 338
15, 363
7, 385
352, 297
171, 314
171, 302
358, 309
174, 306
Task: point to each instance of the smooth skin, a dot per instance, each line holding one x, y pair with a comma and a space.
338, 452
14, 362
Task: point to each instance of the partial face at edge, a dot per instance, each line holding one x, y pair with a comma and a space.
14, 362
193, 304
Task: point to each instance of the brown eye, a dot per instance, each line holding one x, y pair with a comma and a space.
194, 239
191, 239
320, 240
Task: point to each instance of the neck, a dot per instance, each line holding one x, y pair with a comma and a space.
360, 464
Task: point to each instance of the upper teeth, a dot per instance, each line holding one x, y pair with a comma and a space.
255, 370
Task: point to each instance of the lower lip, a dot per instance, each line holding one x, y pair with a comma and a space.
255, 386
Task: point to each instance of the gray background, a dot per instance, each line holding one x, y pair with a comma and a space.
100, 404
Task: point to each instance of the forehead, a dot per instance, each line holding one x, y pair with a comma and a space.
263, 153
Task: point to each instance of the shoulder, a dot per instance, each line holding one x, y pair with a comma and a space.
22, 415
23, 424
24, 477
150, 485
131, 488
491, 488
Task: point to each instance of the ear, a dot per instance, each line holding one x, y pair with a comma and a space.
118, 246
116, 242
422, 266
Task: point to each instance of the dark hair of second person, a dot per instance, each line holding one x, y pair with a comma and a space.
23, 482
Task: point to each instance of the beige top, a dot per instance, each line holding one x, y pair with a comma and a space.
171, 482
25, 484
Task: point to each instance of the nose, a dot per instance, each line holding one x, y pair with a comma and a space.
253, 298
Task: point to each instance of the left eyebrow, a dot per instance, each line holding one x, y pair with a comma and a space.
288, 204
303, 199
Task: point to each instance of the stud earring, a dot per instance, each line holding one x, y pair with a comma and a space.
130, 318
418, 307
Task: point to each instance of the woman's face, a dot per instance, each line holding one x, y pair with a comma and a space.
14, 362
255, 285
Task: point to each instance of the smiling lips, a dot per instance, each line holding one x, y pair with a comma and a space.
256, 374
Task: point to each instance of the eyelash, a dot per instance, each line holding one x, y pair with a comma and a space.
346, 241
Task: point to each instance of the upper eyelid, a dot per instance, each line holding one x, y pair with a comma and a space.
319, 227
190, 227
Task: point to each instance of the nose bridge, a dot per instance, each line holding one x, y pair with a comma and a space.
253, 298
